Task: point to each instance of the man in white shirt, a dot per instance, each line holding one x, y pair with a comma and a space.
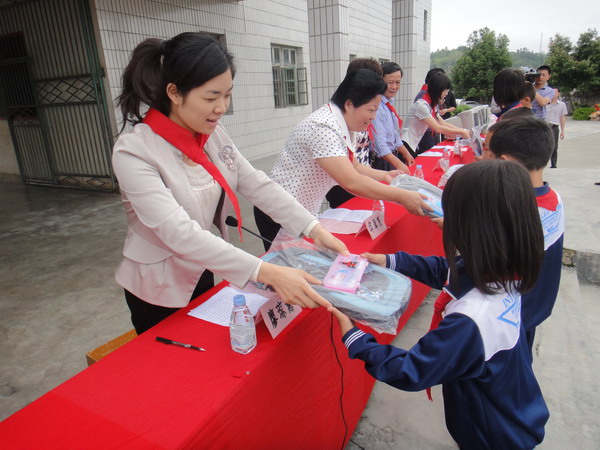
556, 111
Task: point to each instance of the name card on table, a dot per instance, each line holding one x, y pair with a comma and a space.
277, 315
374, 224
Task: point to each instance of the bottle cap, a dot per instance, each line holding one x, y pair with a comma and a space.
239, 300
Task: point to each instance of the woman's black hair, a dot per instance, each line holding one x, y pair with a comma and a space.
391, 67
509, 86
360, 87
438, 83
491, 218
188, 60
432, 72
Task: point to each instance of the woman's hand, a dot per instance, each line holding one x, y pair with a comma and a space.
324, 239
389, 176
413, 202
375, 258
292, 285
345, 322
410, 161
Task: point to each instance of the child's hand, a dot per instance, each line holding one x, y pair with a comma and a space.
375, 258
439, 221
345, 322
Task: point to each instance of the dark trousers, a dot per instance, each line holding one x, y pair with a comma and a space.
429, 139
554, 157
145, 315
267, 227
382, 164
337, 195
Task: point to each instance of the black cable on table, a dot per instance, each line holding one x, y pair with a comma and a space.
342, 379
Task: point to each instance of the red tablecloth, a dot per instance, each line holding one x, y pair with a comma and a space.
284, 394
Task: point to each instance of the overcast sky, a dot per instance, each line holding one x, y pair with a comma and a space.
525, 22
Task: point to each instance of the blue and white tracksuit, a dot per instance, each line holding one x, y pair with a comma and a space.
538, 303
478, 353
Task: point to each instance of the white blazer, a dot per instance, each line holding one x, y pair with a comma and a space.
167, 246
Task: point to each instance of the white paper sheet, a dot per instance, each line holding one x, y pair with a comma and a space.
346, 215
217, 309
430, 153
336, 226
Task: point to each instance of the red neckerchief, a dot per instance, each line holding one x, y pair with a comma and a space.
438, 308
427, 98
193, 148
548, 201
350, 152
424, 87
371, 131
393, 110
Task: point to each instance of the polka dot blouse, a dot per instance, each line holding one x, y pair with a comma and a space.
323, 134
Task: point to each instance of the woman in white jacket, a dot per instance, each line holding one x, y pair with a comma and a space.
178, 170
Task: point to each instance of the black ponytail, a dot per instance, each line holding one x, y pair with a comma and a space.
188, 60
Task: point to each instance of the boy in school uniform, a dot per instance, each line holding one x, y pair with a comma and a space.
530, 142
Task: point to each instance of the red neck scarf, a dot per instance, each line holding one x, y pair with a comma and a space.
438, 308
427, 98
371, 132
394, 112
193, 148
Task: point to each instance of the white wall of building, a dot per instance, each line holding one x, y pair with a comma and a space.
410, 49
250, 28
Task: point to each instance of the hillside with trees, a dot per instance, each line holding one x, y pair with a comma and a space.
575, 67
523, 57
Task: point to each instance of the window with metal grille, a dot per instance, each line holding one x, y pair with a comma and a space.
290, 86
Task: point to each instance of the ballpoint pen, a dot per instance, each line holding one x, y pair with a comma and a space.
179, 344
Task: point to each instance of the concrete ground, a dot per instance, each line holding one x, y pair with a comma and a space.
58, 300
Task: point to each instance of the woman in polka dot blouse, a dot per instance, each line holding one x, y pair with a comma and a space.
319, 153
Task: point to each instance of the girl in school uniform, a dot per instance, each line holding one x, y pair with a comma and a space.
178, 172
476, 348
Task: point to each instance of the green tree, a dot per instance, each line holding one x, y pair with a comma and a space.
575, 68
446, 59
484, 57
524, 57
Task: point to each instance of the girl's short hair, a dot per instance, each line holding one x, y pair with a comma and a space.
509, 86
491, 219
438, 83
360, 87
188, 60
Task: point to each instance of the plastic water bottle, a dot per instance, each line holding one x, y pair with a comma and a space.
445, 160
378, 205
242, 330
457, 150
419, 172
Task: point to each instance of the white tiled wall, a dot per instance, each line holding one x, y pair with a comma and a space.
370, 30
410, 50
326, 31
249, 26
